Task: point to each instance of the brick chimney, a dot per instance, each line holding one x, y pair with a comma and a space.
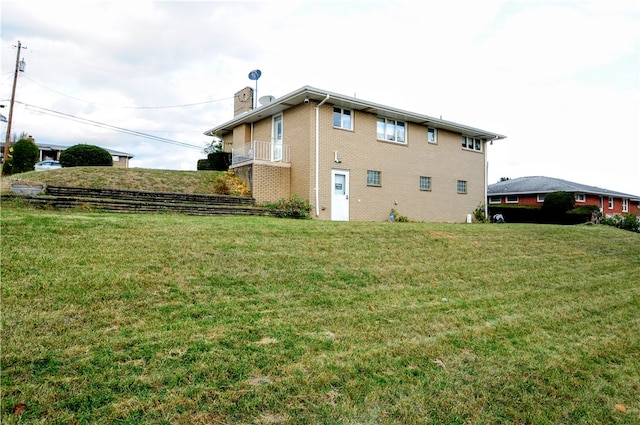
243, 101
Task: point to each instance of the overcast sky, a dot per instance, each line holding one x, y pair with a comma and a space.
561, 79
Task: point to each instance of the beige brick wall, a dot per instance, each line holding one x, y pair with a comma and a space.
401, 166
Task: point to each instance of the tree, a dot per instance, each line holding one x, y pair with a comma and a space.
24, 155
85, 155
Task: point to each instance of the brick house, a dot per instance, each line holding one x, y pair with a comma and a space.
50, 151
354, 159
532, 190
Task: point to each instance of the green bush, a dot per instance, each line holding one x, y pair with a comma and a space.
24, 155
220, 161
291, 207
85, 155
479, 215
626, 222
394, 215
204, 165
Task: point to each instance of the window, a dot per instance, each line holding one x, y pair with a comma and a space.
472, 144
625, 205
512, 199
540, 197
462, 186
610, 202
342, 118
581, 197
373, 178
495, 199
425, 183
391, 130
431, 135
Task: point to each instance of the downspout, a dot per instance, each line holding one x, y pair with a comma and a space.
317, 154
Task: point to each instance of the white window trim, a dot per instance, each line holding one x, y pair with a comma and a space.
428, 179
508, 201
611, 203
395, 126
341, 120
625, 205
581, 197
495, 199
435, 135
540, 197
473, 144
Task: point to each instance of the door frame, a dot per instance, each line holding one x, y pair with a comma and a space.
340, 215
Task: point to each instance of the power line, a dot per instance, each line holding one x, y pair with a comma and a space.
128, 107
86, 121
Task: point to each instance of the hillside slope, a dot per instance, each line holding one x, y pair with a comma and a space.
121, 178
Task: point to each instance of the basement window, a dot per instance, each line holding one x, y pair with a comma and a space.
374, 178
462, 186
425, 183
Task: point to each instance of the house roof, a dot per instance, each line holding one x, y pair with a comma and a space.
49, 146
540, 184
297, 97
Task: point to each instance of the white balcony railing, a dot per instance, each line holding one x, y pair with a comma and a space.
260, 151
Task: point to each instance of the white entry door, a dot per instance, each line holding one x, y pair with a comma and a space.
339, 195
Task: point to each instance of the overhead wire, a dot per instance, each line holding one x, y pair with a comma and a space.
99, 124
127, 107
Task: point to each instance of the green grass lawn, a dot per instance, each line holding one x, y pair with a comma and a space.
170, 319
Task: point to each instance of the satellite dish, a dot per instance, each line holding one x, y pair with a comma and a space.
265, 100
255, 74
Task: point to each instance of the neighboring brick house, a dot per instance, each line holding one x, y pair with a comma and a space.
49, 151
532, 190
356, 160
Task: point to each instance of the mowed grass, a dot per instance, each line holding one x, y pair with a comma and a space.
167, 319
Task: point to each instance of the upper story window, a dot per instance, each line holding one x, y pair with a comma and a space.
342, 118
391, 130
432, 135
472, 144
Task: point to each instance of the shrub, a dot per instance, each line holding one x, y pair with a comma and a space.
291, 207
24, 155
556, 205
220, 161
228, 183
395, 216
627, 222
204, 165
85, 155
479, 215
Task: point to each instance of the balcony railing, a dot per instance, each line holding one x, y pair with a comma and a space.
260, 151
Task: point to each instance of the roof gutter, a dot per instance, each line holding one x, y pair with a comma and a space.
317, 108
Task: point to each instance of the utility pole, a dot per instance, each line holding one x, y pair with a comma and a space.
19, 67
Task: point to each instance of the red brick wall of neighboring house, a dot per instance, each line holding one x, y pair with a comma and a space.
532, 200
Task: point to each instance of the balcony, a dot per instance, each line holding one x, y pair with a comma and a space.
260, 151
